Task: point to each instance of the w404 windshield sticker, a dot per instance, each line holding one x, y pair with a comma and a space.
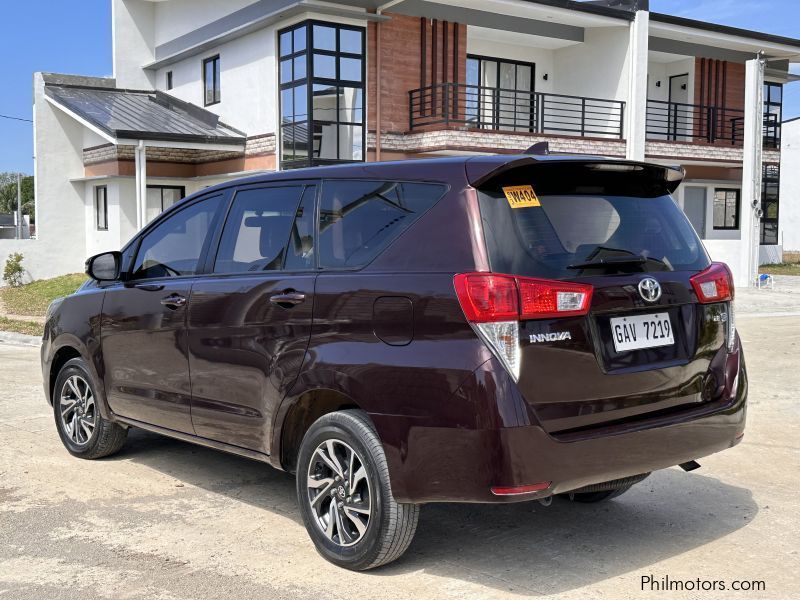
521, 196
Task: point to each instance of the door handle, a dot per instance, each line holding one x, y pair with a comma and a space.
288, 298
173, 301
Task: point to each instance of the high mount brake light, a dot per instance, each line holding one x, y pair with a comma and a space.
489, 297
715, 284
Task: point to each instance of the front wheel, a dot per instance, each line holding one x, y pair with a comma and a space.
344, 494
83, 430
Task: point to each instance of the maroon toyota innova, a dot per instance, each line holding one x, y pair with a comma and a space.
484, 329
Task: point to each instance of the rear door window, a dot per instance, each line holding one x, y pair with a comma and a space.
359, 219
257, 229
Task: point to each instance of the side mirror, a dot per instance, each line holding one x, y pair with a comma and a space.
105, 266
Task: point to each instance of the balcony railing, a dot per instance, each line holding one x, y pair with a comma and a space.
498, 109
675, 121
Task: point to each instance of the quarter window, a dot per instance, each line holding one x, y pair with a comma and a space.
359, 219
101, 207
174, 246
257, 229
726, 208
322, 94
211, 81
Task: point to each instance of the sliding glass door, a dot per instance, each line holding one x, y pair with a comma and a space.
500, 93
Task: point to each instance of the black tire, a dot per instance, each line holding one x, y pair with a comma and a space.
591, 497
106, 437
390, 526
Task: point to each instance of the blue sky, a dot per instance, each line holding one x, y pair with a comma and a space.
75, 37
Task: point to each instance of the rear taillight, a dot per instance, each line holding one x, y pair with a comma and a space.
715, 284
543, 299
495, 304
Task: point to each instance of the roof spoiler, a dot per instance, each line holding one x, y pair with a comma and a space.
481, 170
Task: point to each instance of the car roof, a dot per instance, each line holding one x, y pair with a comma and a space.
441, 169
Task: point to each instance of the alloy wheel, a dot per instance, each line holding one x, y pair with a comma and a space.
78, 410
339, 492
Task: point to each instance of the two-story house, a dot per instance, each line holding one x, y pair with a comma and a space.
204, 91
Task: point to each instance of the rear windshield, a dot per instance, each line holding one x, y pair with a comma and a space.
565, 236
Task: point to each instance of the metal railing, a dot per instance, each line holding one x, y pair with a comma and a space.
499, 109
676, 121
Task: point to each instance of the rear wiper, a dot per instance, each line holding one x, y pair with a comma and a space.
620, 261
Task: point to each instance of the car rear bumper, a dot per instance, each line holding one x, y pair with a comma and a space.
443, 464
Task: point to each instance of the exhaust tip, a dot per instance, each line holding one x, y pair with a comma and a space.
690, 466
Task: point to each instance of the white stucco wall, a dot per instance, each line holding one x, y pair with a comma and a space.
178, 17
247, 81
789, 205
661, 72
133, 30
598, 67
59, 247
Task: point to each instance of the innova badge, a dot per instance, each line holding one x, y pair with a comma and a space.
650, 289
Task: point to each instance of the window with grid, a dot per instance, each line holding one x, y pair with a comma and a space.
773, 109
770, 190
726, 208
322, 71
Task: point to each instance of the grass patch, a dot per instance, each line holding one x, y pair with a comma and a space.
781, 269
32, 299
26, 327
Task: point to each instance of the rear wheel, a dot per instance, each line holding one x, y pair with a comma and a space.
344, 494
83, 431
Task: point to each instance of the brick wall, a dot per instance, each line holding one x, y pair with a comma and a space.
493, 142
402, 64
108, 159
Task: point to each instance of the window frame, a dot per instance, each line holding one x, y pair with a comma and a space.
210, 241
765, 181
735, 227
310, 80
774, 139
216, 83
496, 110
225, 211
182, 188
104, 226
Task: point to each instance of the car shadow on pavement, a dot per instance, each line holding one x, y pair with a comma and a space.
526, 548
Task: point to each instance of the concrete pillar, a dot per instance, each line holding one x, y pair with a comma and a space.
749, 221
636, 107
140, 156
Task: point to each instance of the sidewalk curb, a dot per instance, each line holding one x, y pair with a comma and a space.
19, 339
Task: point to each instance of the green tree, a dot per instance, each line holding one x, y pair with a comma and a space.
8, 194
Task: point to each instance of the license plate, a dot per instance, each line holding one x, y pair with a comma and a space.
641, 331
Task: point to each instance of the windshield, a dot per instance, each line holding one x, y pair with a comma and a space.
569, 236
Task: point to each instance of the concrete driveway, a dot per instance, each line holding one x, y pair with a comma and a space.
165, 519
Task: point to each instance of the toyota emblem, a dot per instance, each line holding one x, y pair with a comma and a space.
650, 289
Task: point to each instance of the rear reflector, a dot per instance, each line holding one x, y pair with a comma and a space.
488, 297
519, 489
715, 284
